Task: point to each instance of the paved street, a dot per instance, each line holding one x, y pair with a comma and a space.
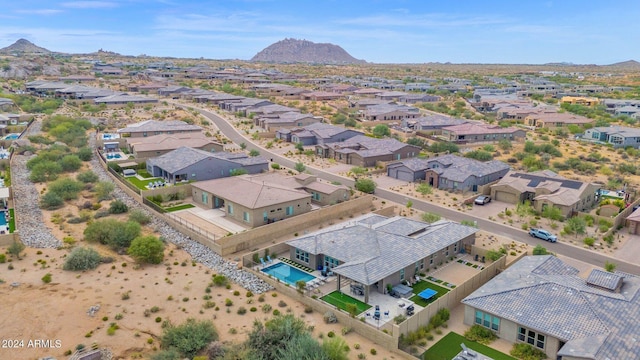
585, 255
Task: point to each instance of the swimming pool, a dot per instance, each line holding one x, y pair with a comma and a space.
114, 156
289, 274
12, 136
3, 219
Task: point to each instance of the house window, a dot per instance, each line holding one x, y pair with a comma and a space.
245, 216
205, 198
315, 196
401, 274
144, 134
289, 211
330, 262
265, 217
230, 209
431, 260
302, 256
487, 320
531, 337
455, 247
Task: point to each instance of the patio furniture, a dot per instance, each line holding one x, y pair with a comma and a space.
468, 352
262, 262
402, 291
376, 313
357, 289
410, 310
269, 259
386, 313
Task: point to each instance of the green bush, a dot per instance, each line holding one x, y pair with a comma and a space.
87, 177
190, 337
47, 278
50, 201
365, 185
480, 334
70, 163
527, 352
66, 188
139, 216
85, 154
116, 234
220, 280
118, 207
82, 259
589, 241
147, 249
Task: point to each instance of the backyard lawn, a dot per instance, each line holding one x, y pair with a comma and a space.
141, 184
449, 346
417, 288
12, 221
340, 300
144, 173
179, 207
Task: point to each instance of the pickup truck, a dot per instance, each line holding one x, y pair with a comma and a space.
543, 234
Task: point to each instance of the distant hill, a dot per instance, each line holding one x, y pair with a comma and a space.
23, 46
629, 64
304, 51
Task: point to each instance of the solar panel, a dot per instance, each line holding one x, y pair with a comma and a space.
535, 180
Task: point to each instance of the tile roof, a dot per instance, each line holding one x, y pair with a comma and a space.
251, 193
170, 141
480, 129
154, 125
456, 168
374, 247
186, 156
367, 146
594, 323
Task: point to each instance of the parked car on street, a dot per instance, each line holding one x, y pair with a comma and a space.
543, 234
482, 199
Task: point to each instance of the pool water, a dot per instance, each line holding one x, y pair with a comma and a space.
289, 274
114, 156
3, 219
12, 136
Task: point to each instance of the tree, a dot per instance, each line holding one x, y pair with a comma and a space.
610, 267
85, 154
66, 188
51, 201
424, 189
87, 177
82, 258
429, 217
336, 348
15, 249
254, 152
524, 209
576, 225
299, 147
103, 190
269, 338
190, 337
540, 250
505, 144
381, 131
147, 249
243, 146
45, 171
116, 234
365, 185
300, 167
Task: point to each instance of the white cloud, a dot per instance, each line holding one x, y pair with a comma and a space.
39, 11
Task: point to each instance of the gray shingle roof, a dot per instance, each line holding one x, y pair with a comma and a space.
185, 156
455, 168
594, 323
604, 279
371, 250
154, 125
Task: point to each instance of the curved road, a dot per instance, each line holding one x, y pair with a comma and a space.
571, 251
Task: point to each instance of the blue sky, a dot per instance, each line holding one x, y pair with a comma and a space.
392, 31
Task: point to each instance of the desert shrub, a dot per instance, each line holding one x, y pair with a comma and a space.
66, 188
50, 201
116, 234
70, 163
241, 310
47, 278
87, 177
589, 241
104, 189
147, 249
3, 258
118, 207
82, 258
139, 216
45, 171
220, 280
330, 318
85, 154
190, 337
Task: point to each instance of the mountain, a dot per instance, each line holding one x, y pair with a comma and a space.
304, 51
23, 46
630, 64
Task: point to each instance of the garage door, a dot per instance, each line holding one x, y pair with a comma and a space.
505, 197
404, 175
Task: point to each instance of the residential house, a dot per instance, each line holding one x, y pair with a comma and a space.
6, 104
274, 109
321, 95
172, 90
633, 222
157, 145
286, 120
361, 104
240, 106
546, 303
155, 127
188, 164
385, 112
365, 151
546, 188
449, 172
322, 193
318, 133
553, 120
480, 132
124, 99
618, 136
249, 201
377, 251
579, 100
432, 123
418, 98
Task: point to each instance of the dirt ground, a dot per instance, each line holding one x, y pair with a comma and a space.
59, 310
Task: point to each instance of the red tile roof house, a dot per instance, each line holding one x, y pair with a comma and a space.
472, 132
365, 151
